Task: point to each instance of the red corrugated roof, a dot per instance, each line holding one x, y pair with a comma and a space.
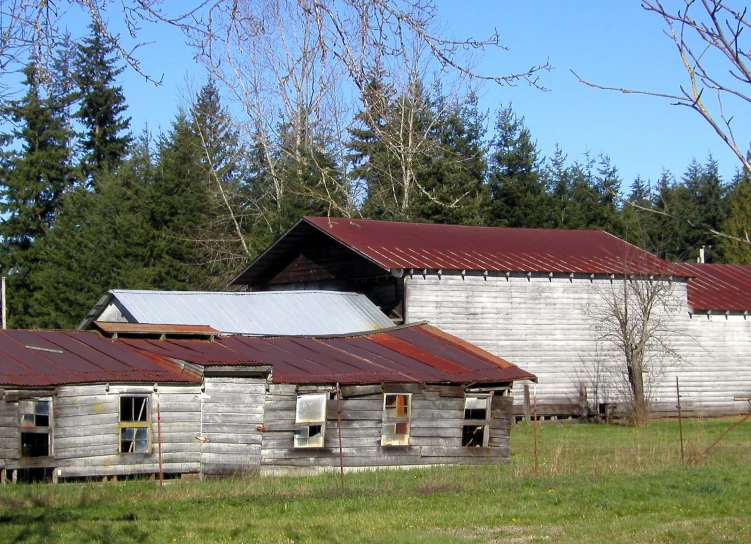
417, 353
718, 286
454, 247
49, 358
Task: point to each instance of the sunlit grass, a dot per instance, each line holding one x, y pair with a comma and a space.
594, 483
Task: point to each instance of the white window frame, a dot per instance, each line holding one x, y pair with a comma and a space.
310, 414
133, 431
470, 423
396, 425
30, 414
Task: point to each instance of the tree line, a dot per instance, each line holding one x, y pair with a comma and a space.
87, 206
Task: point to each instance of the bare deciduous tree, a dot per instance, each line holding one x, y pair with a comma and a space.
633, 319
710, 39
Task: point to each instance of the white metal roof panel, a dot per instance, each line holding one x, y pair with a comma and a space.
261, 313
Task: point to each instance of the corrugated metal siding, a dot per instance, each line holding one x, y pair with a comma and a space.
411, 354
718, 286
48, 358
263, 313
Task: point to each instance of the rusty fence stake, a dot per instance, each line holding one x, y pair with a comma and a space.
680, 417
535, 423
159, 439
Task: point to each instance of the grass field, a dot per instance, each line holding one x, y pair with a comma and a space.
594, 483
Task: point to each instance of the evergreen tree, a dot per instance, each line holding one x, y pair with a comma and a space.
105, 140
518, 196
34, 174
100, 241
556, 177
420, 156
738, 223
452, 178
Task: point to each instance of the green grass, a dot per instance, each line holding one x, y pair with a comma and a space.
609, 484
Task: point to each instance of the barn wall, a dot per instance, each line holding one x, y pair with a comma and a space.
231, 414
540, 324
435, 433
87, 431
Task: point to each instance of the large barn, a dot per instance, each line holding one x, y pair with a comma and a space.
137, 400
528, 295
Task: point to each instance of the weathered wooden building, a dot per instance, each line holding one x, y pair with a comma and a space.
527, 294
88, 405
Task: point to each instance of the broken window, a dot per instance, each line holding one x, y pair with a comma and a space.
396, 414
475, 432
36, 416
311, 415
135, 424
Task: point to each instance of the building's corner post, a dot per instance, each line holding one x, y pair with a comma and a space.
527, 415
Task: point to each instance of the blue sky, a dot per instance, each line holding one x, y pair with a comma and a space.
609, 42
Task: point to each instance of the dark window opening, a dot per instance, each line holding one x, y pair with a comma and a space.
35, 445
134, 409
473, 436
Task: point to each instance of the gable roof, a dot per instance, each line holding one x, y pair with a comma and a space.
414, 353
718, 286
391, 245
261, 313
49, 358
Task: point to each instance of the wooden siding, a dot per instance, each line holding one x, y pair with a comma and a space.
319, 258
231, 415
435, 430
86, 432
539, 323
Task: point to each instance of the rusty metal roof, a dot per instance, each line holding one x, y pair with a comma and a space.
392, 245
414, 353
718, 286
49, 358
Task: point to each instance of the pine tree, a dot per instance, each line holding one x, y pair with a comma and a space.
419, 156
105, 140
517, 191
100, 241
452, 178
34, 174
737, 224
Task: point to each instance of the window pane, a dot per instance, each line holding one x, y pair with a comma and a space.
401, 428
42, 407
142, 446
128, 433
43, 421
311, 408
142, 433
28, 420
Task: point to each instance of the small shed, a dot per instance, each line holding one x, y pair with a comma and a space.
81, 405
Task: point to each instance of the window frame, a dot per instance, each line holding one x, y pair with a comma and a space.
25, 427
396, 420
124, 425
302, 438
477, 423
